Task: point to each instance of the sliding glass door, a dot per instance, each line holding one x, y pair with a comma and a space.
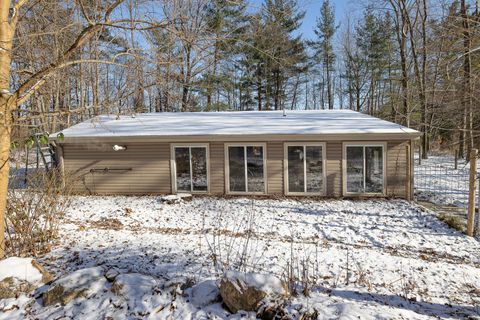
246, 168
191, 168
305, 171
364, 169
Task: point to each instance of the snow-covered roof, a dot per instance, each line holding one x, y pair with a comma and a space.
328, 122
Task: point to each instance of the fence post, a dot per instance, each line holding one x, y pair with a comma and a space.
472, 192
419, 155
478, 206
456, 159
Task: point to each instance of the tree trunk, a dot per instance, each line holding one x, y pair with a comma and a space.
6, 108
467, 89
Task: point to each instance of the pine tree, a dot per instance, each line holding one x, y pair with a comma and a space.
323, 46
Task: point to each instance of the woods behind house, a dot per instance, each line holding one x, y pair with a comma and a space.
415, 62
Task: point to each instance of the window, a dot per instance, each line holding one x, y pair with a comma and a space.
191, 168
245, 168
364, 172
305, 168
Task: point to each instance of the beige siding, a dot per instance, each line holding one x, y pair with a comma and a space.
334, 169
397, 168
217, 168
275, 155
150, 164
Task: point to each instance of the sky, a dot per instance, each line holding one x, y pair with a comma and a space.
312, 11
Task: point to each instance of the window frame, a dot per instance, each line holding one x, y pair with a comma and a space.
324, 168
364, 144
173, 166
227, 168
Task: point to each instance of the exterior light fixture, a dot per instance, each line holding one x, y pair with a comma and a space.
119, 148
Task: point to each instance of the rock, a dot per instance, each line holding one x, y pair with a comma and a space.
112, 274
137, 290
81, 283
176, 198
21, 275
205, 293
245, 291
12, 287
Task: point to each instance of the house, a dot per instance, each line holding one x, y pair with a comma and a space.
332, 153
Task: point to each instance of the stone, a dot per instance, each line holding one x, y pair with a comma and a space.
137, 291
81, 283
11, 287
176, 198
112, 274
246, 291
205, 293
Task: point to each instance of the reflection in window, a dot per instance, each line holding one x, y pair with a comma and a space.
296, 177
373, 170
182, 164
314, 168
236, 165
255, 169
305, 169
246, 169
364, 169
199, 169
191, 169
355, 169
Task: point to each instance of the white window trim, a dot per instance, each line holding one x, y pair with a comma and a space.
227, 168
382, 144
173, 166
324, 168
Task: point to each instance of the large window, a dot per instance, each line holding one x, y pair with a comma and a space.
191, 168
305, 168
246, 168
364, 169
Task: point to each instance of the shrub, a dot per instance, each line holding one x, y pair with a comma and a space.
34, 213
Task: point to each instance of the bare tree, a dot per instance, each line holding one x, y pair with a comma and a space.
10, 12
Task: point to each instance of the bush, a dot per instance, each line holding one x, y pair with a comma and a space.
453, 221
34, 213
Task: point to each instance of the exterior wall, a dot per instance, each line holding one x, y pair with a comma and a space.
150, 164
275, 168
151, 174
397, 169
217, 168
334, 169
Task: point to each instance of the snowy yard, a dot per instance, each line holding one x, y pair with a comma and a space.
370, 259
437, 180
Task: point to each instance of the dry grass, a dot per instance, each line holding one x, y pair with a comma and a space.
33, 214
453, 221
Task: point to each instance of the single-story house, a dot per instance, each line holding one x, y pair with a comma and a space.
332, 153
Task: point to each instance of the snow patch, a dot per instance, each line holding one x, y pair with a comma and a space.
267, 283
20, 268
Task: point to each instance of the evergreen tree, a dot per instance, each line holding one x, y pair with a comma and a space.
227, 25
323, 46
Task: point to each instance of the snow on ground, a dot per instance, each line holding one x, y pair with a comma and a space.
437, 180
20, 268
375, 259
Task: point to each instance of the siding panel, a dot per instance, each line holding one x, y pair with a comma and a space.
275, 155
397, 169
334, 169
149, 164
217, 168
